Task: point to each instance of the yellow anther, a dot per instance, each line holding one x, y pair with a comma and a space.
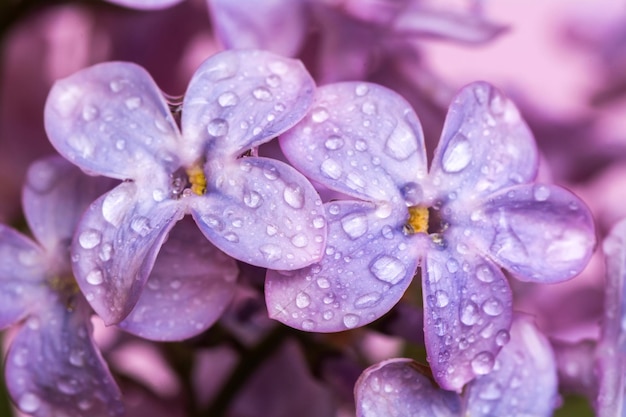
197, 180
64, 285
418, 219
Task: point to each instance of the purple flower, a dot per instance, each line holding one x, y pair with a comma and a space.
523, 383
475, 211
53, 366
111, 119
146, 4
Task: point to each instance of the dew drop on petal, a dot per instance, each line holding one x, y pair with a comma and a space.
484, 274
29, 402
271, 252
111, 206
541, 193
469, 313
20, 357
76, 358
388, 269
84, 405
270, 173
89, 113
262, 94
328, 315
331, 168
351, 320
133, 103
368, 108
294, 196
308, 325
323, 283
319, 222
502, 337
271, 230
252, 199
228, 99
95, 277
354, 225
457, 155
231, 237
361, 90
482, 363
303, 300
299, 240
441, 298
105, 252
493, 307
140, 225
89, 239
367, 300
217, 127
333, 143
319, 114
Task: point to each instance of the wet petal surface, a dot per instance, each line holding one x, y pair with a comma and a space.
485, 146
146, 4
238, 100
54, 368
111, 119
191, 284
398, 388
467, 313
523, 381
263, 212
361, 139
367, 266
539, 232
115, 246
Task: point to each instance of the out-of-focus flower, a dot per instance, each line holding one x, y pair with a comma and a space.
476, 211
112, 120
146, 4
53, 366
522, 383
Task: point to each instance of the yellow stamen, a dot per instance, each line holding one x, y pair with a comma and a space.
197, 180
418, 219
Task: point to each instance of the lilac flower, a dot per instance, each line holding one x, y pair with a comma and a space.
474, 212
146, 4
111, 119
53, 366
523, 383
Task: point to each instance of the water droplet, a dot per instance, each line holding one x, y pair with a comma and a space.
333, 143
158, 195
387, 232
351, 320
89, 113
29, 403
457, 155
84, 405
331, 168
271, 252
484, 274
271, 230
469, 313
401, 143
452, 265
89, 239
319, 222
273, 80
228, 99
294, 196
368, 108
323, 283
441, 298
112, 206
355, 181
95, 277
388, 269
237, 223
271, 173
354, 224
133, 103
482, 363
231, 237
76, 358
252, 199
299, 240
440, 327
328, 315
217, 127
67, 386
361, 90
303, 300
262, 94
360, 145
20, 357
116, 85
493, 307
367, 300
541, 193
140, 225
319, 114
502, 337
106, 251
308, 325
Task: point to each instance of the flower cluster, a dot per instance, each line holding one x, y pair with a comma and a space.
283, 235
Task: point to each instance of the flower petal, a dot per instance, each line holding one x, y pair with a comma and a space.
361, 139
539, 232
115, 247
278, 26
146, 4
22, 272
111, 119
263, 212
54, 368
191, 284
55, 196
485, 145
467, 313
238, 100
368, 265
524, 380
399, 387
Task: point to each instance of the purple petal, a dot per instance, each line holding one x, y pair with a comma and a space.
115, 246
146, 4
55, 196
22, 273
467, 313
361, 139
523, 382
485, 145
263, 212
399, 388
368, 265
612, 346
191, 284
111, 119
539, 232
54, 368
278, 26
238, 100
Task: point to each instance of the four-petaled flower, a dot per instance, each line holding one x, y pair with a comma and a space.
474, 212
111, 119
53, 366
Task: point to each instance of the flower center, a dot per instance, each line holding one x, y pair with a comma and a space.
187, 181
197, 180
418, 220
